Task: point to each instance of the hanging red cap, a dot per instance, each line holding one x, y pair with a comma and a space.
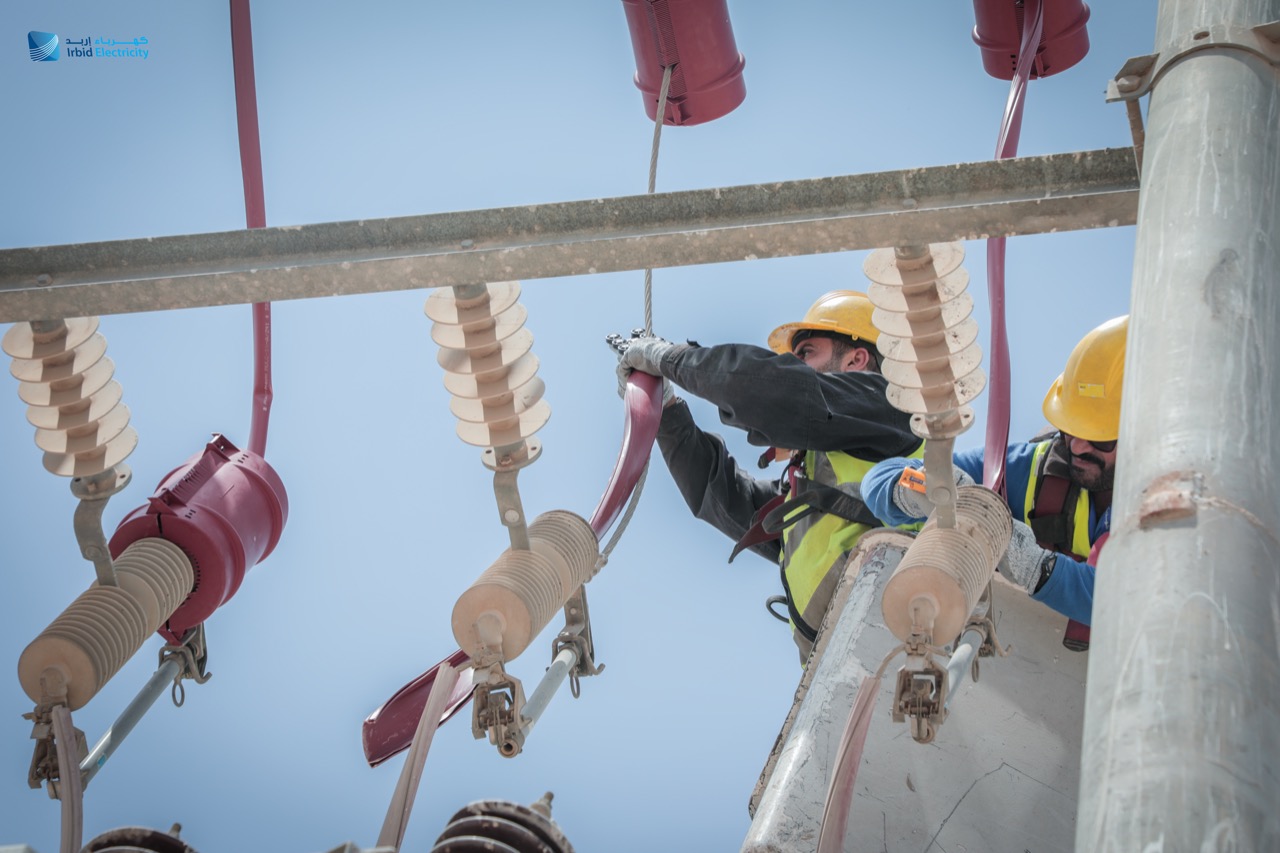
1064, 40
694, 38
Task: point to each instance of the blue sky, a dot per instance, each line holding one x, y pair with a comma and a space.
396, 108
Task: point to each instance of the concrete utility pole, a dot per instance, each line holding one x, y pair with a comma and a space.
1182, 719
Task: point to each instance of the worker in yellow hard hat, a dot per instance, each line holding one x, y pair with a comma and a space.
817, 389
1084, 405
1059, 487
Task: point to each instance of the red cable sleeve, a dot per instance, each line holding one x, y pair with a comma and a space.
255, 211
643, 402
997, 438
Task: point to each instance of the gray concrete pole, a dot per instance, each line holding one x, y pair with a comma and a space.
1182, 720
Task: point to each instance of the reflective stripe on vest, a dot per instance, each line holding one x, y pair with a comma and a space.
1080, 532
813, 544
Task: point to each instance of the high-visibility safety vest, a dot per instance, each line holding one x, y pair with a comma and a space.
1056, 509
815, 539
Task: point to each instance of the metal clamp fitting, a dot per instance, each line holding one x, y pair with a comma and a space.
44, 756
921, 695
577, 633
498, 703
192, 657
1139, 74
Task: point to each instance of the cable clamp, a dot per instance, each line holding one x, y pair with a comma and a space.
577, 634
192, 655
497, 708
1139, 75
44, 756
921, 694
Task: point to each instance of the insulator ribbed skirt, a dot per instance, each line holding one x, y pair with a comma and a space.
518, 595
90, 640
942, 575
65, 379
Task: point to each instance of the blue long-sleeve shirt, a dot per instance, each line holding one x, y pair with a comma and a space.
1069, 589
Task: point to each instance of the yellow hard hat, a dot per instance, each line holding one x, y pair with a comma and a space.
844, 311
1085, 400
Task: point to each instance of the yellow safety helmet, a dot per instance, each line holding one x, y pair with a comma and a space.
1085, 400
844, 311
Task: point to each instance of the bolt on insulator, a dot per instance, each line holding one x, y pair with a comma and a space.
74, 404
489, 369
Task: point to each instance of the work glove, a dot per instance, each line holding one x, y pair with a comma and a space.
915, 503
644, 353
1026, 563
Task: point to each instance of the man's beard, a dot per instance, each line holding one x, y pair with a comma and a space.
832, 366
1100, 479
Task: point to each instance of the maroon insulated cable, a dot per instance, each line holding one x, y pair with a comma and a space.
255, 211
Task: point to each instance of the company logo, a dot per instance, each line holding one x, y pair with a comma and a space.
47, 47
42, 46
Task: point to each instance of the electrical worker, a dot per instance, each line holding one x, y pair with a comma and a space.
820, 394
1059, 488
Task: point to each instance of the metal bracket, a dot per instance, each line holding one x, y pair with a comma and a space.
505, 462
577, 633
918, 645
1138, 75
498, 703
921, 695
192, 657
44, 757
93, 493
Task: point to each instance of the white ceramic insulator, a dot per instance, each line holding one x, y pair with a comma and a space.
927, 337
64, 377
489, 369
518, 595
943, 573
90, 640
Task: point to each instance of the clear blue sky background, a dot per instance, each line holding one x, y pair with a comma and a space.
396, 108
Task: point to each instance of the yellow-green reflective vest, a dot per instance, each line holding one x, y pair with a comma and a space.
818, 542
1077, 517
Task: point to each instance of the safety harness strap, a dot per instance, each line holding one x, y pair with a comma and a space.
774, 517
844, 501
1049, 522
801, 627
1052, 520
756, 533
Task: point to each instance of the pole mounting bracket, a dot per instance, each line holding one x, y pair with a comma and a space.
1139, 75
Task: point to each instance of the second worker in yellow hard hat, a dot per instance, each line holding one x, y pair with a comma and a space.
1059, 487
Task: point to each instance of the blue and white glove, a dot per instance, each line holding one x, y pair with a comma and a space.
1026, 563
915, 503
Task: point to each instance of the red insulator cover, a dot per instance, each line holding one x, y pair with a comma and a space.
695, 37
1063, 41
225, 508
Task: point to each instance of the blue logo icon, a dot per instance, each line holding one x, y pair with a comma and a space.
43, 46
